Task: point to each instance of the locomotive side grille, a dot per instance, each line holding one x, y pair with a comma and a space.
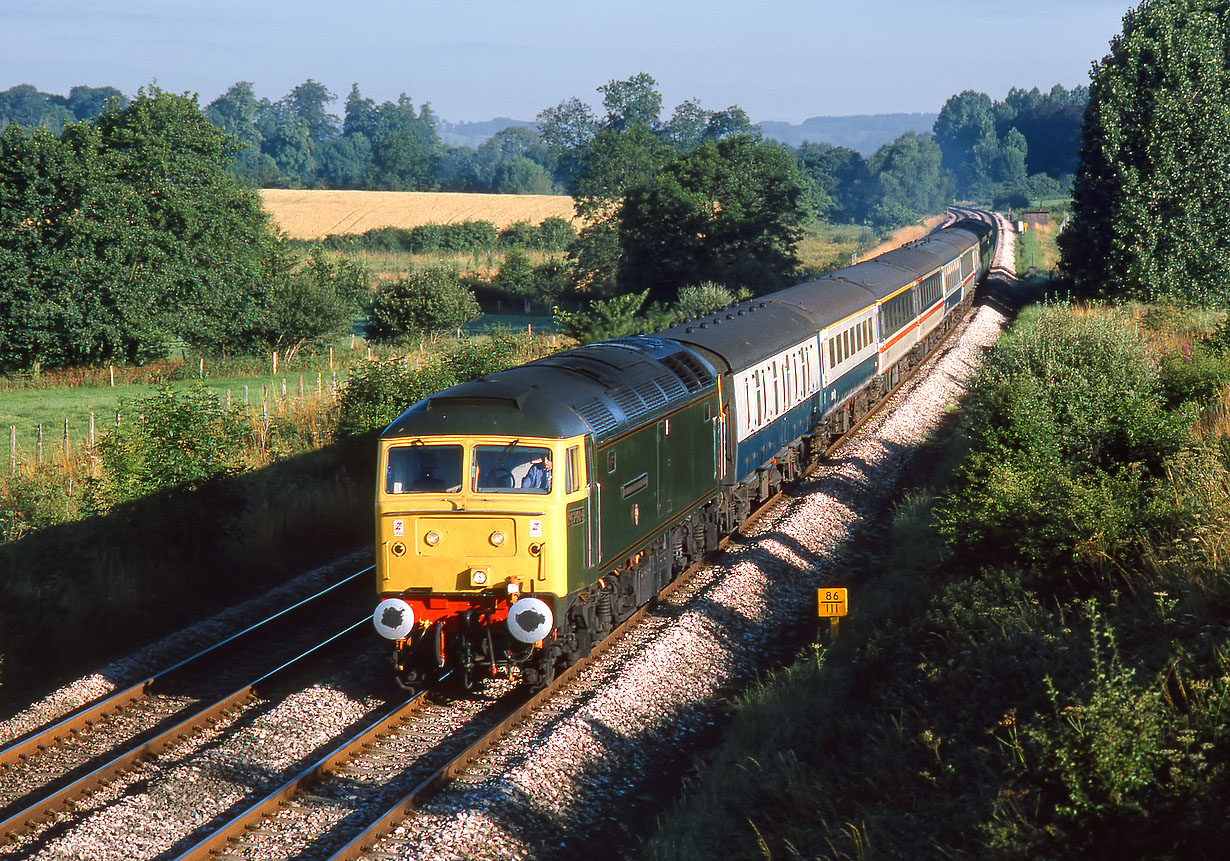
652, 394
692, 372
597, 416
670, 384
629, 402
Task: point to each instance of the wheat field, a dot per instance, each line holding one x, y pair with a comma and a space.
312, 214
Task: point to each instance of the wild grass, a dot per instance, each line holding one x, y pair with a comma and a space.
194, 504
983, 704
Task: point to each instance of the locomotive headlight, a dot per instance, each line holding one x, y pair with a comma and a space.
394, 618
432, 538
529, 620
478, 577
496, 539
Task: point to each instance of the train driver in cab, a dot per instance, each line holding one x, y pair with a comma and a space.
538, 476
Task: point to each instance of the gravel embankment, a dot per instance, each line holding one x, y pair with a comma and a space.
574, 767
569, 770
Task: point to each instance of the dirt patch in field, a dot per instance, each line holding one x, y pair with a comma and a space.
313, 214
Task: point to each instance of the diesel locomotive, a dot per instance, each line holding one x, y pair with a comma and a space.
523, 515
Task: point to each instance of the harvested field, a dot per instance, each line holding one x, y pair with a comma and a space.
904, 235
313, 214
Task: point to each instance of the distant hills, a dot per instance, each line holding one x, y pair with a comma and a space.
475, 134
864, 134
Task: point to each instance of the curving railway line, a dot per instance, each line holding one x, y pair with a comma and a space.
357, 790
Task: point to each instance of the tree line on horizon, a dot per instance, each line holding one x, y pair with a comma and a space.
136, 228
1023, 147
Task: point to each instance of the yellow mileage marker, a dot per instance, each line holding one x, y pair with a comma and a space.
833, 602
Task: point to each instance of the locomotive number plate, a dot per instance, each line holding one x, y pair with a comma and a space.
833, 601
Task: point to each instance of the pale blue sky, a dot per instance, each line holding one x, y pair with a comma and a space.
478, 59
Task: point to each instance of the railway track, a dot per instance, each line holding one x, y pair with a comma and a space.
48, 768
388, 769
286, 814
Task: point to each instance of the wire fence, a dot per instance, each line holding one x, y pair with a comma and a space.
307, 401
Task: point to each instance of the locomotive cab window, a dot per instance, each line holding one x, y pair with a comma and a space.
512, 468
423, 469
572, 469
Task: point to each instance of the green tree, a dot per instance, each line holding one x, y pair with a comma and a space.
841, 181
306, 103
567, 130
614, 163
908, 178
1151, 213
965, 123
126, 232
345, 162
401, 161
86, 103
634, 102
29, 108
730, 212
427, 301
360, 115
518, 175
604, 318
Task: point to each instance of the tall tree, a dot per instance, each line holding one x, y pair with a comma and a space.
909, 180
123, 233
840, 179
634, 102
1152, 193
567, 130
729, 212
965, 123
307, 103
360, 116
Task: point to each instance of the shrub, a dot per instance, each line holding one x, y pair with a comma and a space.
1069, 438
426, 301
555, 234
606, 318
698, 299
178, 438
519, 234
378, 392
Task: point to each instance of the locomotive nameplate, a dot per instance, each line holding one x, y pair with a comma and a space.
576, 515
833, 601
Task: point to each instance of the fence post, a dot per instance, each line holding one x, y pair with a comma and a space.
275, 363
301, 387
39, 450
330, 358
66, 449
112, 369
91, 432
202, 367
245, 398
319, 391
12, 449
